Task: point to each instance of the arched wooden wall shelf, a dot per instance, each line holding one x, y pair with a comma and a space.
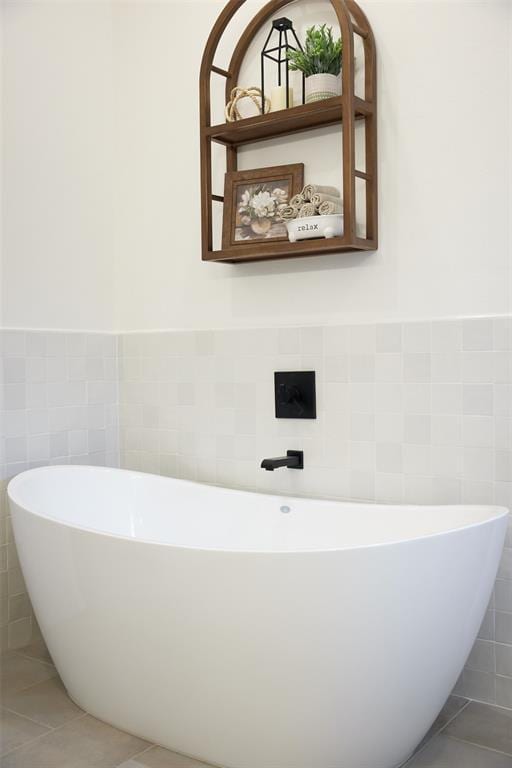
343, 110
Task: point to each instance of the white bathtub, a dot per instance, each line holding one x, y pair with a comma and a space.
253, 631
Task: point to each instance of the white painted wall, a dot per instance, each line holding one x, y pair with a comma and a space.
1, 158
101, 172
58, 174
444, 88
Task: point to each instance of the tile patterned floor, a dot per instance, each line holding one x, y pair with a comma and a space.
40, 727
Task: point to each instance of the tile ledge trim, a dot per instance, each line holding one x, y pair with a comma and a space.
21, 329
327, 324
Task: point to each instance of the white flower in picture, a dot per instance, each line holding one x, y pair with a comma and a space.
263, 204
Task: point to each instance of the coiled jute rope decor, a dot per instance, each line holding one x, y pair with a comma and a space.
252, 93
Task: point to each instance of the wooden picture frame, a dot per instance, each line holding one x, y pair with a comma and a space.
252, 200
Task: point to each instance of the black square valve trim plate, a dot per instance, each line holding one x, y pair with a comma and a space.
295, 394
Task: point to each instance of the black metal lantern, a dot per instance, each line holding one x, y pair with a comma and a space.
279, 54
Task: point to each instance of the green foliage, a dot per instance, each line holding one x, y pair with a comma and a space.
321, 55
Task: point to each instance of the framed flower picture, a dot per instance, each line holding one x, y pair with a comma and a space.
253, 201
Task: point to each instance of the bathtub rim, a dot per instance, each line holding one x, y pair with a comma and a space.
500, 513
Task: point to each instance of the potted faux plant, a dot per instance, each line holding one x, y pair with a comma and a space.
320, 61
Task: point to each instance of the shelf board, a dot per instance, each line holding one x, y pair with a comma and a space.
283, 249
286, 121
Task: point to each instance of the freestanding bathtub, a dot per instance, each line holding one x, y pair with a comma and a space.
253, 631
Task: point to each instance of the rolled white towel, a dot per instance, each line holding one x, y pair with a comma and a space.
289, 212
308, 209
328, 207
298, 200
320, 197
313, 189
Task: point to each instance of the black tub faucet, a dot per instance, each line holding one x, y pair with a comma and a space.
292, 460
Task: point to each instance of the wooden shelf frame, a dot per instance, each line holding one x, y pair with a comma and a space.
344, 110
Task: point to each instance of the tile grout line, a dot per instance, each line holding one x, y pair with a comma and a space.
19, 652
480, 746
492, 704
38, 661
455, 716
42, 735
38, 722
136, 755
435, 734
26, 717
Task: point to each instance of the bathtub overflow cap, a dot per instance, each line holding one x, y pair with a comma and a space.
285, 509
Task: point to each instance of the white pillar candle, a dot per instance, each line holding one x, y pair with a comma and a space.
278, 97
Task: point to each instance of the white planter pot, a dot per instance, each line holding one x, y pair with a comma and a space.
319, 87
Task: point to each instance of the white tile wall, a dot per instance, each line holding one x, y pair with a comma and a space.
411, 412
58, 405
407, 412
